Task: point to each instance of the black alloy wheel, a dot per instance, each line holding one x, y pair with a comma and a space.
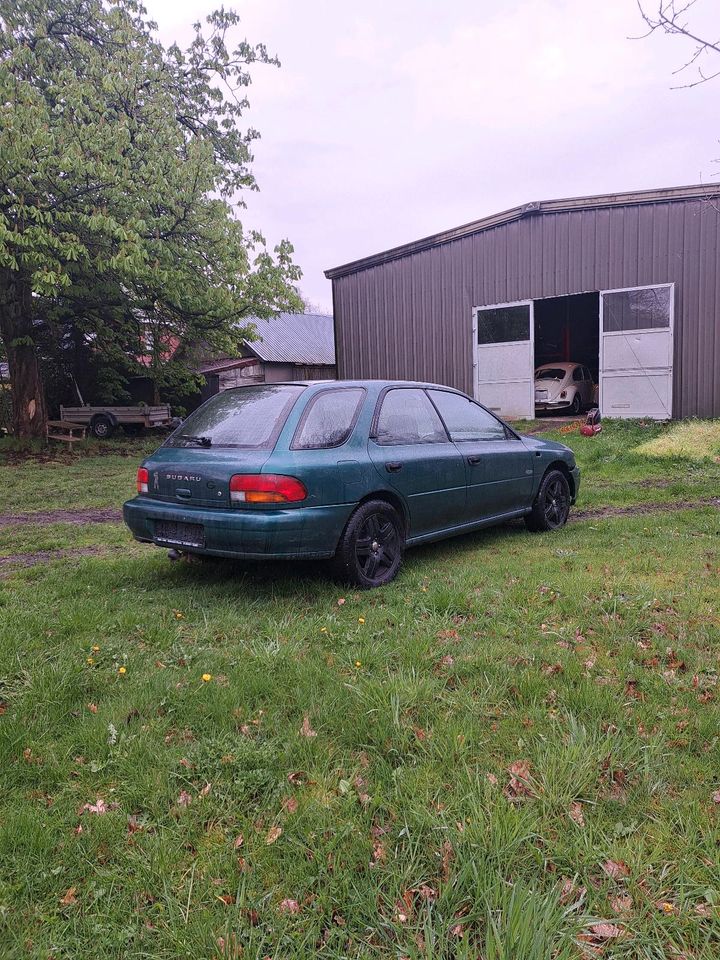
370, 550
551, 508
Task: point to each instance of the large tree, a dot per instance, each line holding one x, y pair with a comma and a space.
121, 165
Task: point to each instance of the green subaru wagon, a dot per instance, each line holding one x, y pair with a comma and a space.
352, 471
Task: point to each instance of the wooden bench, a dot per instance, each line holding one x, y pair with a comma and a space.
64, 431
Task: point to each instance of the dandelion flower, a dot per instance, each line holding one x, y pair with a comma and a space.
323, 629
91, 660
361, 619
122, 671
358, 663
95, 648
207, 677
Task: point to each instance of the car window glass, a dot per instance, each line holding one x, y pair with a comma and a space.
577, 373
466, 420
328, 420
407, 416
248, 417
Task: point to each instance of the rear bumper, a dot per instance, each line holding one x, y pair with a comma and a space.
309, 532
575, 474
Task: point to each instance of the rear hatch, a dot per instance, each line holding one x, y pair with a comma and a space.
201, 477
234, 432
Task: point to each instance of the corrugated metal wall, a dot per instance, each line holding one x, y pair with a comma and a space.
411, 318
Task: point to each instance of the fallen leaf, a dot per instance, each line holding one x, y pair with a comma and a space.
227, 898
379, 853
239, 841
341, 601
99, 807
616, 869
272, 834
297, 778
519, 785
570, 892
491, 779
92, 707
621, 904
605, 931
69, 899
716, 797
290, 804
447, 857
205, 790
289, 906
184, 800
306, 730
576, 814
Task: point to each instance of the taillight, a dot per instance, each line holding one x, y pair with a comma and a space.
142, 480
265, 488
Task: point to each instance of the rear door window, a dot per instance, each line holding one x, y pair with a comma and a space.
328, 419
465, 419
246, 417
407, 416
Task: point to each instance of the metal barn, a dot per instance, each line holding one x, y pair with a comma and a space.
626, 284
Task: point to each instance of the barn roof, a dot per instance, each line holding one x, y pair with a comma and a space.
701, 191
306, 338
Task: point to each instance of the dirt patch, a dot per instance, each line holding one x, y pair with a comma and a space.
46, 556
639, 509
79, 517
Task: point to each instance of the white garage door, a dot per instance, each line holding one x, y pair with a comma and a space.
504, 358
636, 352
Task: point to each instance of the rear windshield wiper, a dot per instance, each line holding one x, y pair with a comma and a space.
203, 441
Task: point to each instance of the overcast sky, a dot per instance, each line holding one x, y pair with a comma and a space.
394, 119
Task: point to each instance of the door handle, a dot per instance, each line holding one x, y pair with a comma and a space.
476, 458
183, 493
393, 466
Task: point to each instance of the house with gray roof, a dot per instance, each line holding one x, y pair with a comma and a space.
290, 346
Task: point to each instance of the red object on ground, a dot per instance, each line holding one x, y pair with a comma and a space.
592, 423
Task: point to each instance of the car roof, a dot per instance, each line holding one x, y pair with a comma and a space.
357, 383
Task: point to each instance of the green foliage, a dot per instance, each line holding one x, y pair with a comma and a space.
120, 162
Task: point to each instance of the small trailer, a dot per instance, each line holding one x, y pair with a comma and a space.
104, 421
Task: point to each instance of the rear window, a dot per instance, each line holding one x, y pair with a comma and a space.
551, 373
248, 417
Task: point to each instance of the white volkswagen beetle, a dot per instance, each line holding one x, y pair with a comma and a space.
563, 386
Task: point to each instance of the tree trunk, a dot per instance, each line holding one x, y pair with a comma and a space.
16, 329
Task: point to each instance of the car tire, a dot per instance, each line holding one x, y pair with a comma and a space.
371, 547
551, 506
102, 427
576, 405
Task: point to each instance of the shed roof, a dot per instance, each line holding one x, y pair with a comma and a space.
700, 191
307, 338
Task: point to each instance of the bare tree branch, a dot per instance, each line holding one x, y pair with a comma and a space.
670, 17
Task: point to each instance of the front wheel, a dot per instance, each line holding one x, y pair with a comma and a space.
370, 550
551, 507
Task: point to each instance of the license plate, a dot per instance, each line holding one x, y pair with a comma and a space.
180, 534
541, 394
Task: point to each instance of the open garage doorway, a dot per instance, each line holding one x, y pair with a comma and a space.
567, 353
615, 344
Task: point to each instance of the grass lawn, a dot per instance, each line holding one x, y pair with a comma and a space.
512, 752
